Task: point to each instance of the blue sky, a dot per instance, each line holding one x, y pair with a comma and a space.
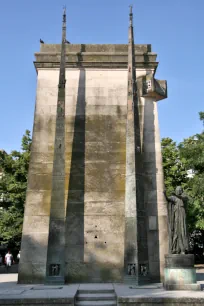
173, 27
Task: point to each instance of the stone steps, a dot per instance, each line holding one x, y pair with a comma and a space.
97, 297
81, 291
96, 303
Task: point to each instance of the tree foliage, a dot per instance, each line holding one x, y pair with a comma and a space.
13, 184
177, 160
175, 171
192, 149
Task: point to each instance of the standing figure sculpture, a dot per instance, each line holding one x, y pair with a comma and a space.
177, 221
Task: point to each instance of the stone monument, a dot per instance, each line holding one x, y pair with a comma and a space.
180, 273
95, 209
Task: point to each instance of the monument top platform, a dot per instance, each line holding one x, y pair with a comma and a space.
95, 56
144, 48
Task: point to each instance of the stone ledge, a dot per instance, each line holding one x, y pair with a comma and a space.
37, 301
95, 48
160, 300
94, 64
94, 56
191, 287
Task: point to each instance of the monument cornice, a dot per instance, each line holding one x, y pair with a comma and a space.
108, 65
95, 56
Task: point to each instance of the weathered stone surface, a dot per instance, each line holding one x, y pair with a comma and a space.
94, 169
92, 272
106, 223
187, 287
179, 261
31, 273
95, 56
36, 224
34, 205
94, 48
34, 243
105, 196
166, 301
104, 208
152, 223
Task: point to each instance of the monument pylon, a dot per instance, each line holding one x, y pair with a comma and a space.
56, 240
95, 209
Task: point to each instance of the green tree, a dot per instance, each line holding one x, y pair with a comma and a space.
175, 172
192, 149
13, 184
177, 160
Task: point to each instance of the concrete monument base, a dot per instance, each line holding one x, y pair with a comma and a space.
179, 272
12, 294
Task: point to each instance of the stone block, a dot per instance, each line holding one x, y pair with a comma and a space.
162, 211
40, 181
153, 223
149, 157
74, 232
57, 193
75, 208
105, 147
95, 136
95, 123
39, 157
76, 182
150, 182
148, 137
131, 232
56, 232
104, 238
179, 261
104, 223
78, 272
150, 168
36, 224
37, 203
154, 196
110, 157
57, 212
116, 136
41, 168
34, 243
117, 112
74, 253
154, 270
75, 196
31, 273
130, 200
99, 252
118, 195
104, 208
55, 255
104, 182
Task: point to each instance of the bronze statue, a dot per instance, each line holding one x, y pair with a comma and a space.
177, 221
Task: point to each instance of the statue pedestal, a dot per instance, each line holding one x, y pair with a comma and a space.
179, 272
